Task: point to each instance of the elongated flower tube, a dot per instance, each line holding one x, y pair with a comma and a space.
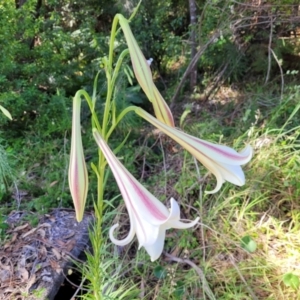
224, 162
143, 75
78, 176
149, 218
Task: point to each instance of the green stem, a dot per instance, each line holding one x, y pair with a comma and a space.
119, 118
112, 40
111, 78
95, 89
118, 65
101, 168
95, 122
113, 81
135, 11
107, 103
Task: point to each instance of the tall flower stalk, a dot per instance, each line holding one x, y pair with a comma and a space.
149, 217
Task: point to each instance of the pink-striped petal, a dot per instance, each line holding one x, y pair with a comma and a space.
149, 218
224, 162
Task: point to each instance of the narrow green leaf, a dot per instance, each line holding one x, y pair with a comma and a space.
184, 115
128, 73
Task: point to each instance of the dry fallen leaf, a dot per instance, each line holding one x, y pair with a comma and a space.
29, 232
14, 238
41, 233
45, 225
69, 235
23, 274
8, 244
70, 245
55, 266
43, 252
56, 253
21, 227
61, 243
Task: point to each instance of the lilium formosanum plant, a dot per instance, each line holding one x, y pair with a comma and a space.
224, 162
143, 75
78, 176
149, 218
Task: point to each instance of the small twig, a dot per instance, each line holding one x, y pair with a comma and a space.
18, 198
243, 279
164, 161
206, 287
73, 284
281, 73
265, 5
258, 23
199, 181
143, 167
79, 288
269, 51
142, 289
217, 81
201, 18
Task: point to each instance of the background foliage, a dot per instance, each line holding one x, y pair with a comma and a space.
247, 90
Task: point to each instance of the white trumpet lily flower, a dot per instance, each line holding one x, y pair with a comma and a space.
149, 218
224, 162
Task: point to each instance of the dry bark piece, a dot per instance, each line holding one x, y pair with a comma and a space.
35, 259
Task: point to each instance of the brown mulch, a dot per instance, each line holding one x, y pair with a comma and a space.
34, 259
